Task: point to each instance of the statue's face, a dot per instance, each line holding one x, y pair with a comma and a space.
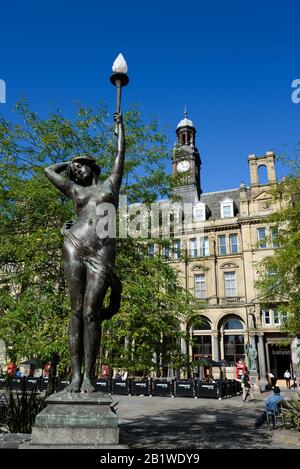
83, 174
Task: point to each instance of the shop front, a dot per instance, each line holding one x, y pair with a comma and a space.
279, 356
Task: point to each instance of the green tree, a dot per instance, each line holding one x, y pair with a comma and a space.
34, 306
280, 274
149, 321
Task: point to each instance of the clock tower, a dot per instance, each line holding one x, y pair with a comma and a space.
186, 162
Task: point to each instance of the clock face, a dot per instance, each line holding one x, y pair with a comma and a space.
183, 166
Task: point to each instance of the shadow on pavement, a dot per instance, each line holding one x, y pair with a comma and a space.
190, 428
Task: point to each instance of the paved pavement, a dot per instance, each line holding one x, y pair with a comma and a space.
169, 423
188, 423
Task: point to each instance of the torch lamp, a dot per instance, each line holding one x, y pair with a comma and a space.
119, 78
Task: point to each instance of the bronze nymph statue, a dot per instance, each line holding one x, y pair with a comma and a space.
252, 355
89, 261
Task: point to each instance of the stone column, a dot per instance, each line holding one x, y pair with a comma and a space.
190, 351
215, 346
183, 346
270, 157
190, 348
253, 169
267, 357
261, 355
153, 374
222, 345
262, 361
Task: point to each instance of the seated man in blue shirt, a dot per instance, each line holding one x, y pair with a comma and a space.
271, 404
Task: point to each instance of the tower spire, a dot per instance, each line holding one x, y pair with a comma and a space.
185, 130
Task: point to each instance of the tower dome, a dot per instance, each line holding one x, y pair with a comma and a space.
186, 131
185, 122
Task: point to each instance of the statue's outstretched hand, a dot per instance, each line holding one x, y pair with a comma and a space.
118, 120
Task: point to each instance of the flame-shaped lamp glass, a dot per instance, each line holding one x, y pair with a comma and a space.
119, 65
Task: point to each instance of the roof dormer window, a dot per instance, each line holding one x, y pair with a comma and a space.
227, 208
199, 211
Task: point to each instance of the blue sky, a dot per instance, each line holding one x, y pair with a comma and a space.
231, 62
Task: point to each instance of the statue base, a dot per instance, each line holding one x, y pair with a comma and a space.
258, 382
253, 376
263, 383
75, 420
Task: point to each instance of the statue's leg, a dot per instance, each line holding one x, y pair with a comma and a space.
96, 288
75, 274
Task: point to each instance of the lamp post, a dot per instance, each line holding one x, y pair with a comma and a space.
119, 78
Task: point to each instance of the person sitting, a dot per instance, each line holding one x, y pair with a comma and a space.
271, 406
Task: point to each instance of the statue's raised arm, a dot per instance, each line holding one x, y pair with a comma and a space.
118, 167
66, 186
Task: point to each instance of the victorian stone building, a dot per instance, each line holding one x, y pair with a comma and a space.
221, 265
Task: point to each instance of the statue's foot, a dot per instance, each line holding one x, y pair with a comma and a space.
87, 386
74, 386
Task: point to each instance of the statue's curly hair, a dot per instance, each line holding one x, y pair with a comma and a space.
91, 162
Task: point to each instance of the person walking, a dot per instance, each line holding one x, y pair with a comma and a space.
247, 386
287, 375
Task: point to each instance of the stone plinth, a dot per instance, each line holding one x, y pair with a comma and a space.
253, 376
75, 420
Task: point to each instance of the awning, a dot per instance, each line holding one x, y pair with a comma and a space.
205, 362
34, 362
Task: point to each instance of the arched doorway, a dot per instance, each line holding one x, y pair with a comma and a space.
232, 332
201, 346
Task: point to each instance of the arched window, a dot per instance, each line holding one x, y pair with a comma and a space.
233, 324
200, 324
202, 343
262, 174
233, 339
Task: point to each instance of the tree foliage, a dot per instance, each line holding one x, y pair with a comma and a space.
34, 305
280, 274
149, 321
